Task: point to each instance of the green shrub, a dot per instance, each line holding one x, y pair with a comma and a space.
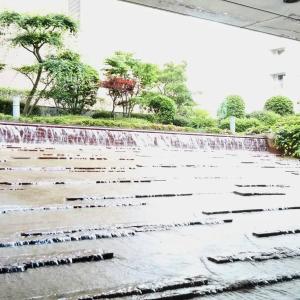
201, 119
233, 105
280, 104
181, 121
6, 94
268, 118
6, 107
287, 121
288, 140
241, 125
216, 130
4, 117
258, 129
101, 114
163, 106
148, 117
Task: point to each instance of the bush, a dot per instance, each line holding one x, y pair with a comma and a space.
258, 129
6, 94
288, 140
163, 106
101, 114
148, 117
201, 119
181, 121
280, 105
241, 125
216, 130
268, 118
4, 117
233, 105
287, 121
6, 107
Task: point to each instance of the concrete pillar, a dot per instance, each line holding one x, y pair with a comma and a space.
16, 107
232, 124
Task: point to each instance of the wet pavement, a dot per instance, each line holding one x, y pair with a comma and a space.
166, 215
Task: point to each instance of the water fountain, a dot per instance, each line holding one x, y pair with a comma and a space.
94, 213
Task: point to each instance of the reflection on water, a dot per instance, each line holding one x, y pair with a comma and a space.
176, 187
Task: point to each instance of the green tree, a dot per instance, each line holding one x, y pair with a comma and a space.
233, 105
200, 118
127, 78
163, 106
2, 66
172, 82
37, 35
280, 105
74, 84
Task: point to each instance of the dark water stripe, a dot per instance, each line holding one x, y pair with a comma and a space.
103, 232
275, 233
78, 206
6, 183
95, 198
256, 256
251, 210
152, 288
263, 185
207, 288
54, 261
69, 238
247, 194
136, 227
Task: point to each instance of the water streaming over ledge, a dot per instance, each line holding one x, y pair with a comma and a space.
168, 208
69, 135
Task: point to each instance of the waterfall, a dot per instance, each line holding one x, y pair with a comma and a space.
73, 135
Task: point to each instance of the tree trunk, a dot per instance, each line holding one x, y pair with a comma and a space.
27, 109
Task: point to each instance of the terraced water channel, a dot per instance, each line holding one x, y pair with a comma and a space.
87, 222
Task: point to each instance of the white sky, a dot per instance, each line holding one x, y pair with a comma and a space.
221, 59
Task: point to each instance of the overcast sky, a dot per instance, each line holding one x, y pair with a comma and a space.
221, 59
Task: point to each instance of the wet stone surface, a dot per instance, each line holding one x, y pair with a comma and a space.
168, 216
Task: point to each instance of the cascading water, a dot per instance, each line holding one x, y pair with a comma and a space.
91, 213
21, 133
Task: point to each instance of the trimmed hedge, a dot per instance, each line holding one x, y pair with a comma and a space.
241, 125
104, 114
288, 140
268, 118
6, 107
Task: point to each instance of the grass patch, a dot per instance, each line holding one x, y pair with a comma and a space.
130, 123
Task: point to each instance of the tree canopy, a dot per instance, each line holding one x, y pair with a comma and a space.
35, 33
172, 82
74, 84
126, 78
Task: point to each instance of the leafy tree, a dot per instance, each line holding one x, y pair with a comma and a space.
280, 105
172, 82
233, 105
268, 118
2, 66
35, 34
126, 79
163, 106
200, 118
74, 84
